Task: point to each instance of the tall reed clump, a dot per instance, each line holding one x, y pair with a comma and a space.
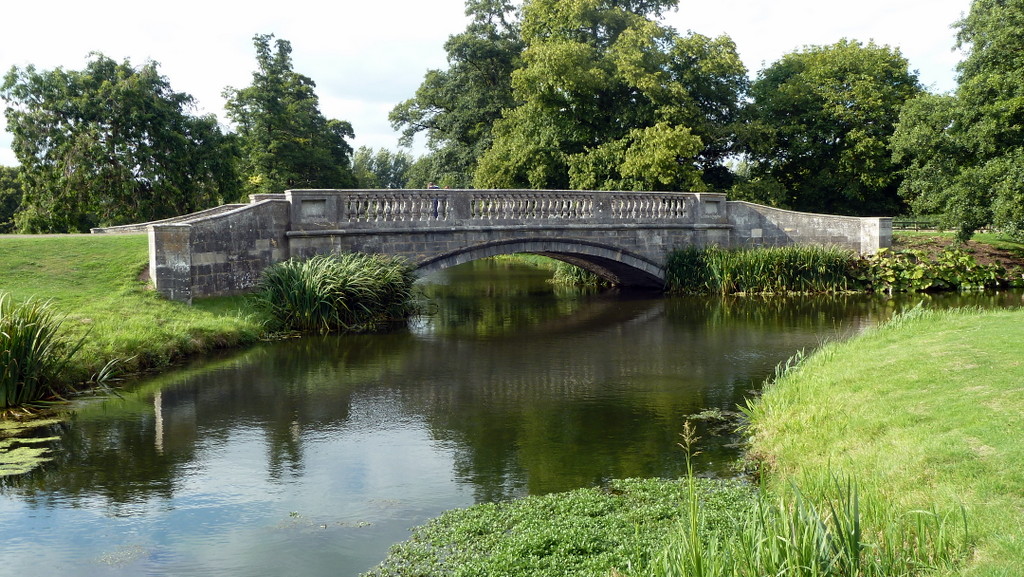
769, 270
795, 536
351, 292
34, 357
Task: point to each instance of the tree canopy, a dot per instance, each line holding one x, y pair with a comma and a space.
285, 140
456, 108
381, 169
819, 125
608, 98
110, 144
965, 151
10, 196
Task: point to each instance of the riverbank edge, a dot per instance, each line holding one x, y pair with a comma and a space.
919, 411
793, 452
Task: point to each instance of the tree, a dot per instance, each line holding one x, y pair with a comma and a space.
603, 90
111, 144
965, 152
10, 197
457, 107
381, 169
819, 128
285, 141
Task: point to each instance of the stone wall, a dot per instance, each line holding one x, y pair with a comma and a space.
757, 225
220, 255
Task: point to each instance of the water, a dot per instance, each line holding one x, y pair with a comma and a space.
311, 457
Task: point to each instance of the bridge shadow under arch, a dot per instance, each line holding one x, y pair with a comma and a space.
619, 267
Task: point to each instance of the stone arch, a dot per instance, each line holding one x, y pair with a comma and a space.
620, 267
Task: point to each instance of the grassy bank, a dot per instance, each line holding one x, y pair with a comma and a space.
924, 412
96, 282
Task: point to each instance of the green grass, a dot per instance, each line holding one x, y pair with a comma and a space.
94, 282
925, 412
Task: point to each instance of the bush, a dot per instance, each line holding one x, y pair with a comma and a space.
351, 292
34, 357
912, 271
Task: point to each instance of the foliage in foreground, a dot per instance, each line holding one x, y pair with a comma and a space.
351, 292
33, 352
796, 536
586, 532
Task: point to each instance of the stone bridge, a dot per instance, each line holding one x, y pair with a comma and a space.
624, 237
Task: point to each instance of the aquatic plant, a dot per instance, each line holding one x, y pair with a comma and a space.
34, 356
351, 292
914, 271
768, 270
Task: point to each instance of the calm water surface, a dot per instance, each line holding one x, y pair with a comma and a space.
311, 457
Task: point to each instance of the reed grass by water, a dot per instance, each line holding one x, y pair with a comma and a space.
769, 270
351, 292
34, 354
791, 535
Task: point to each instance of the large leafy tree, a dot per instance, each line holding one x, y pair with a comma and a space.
456, 108
381, 169
819, 129
111, 144
608, 98
966, 151
285, 140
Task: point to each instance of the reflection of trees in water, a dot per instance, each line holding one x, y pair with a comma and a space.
127, 450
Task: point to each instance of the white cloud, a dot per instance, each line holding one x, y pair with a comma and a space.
365, 57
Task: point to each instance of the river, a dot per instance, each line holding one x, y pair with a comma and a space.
310, 457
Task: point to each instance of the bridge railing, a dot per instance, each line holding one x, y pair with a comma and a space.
319, 209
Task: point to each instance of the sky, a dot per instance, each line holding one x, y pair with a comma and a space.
367, 56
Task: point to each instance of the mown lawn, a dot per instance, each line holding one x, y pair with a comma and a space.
96, 281
925, 413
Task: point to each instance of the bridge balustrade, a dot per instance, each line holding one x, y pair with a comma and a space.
319, 210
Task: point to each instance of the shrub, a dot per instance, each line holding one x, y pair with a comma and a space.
912, 271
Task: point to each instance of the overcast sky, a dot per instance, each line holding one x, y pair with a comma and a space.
366, 56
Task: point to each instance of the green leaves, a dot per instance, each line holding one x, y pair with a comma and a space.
820, 124
912, 271
965, 151
285, 141
607, 98
33, 352
110, 144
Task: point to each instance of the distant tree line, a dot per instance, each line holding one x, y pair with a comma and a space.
548, 94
